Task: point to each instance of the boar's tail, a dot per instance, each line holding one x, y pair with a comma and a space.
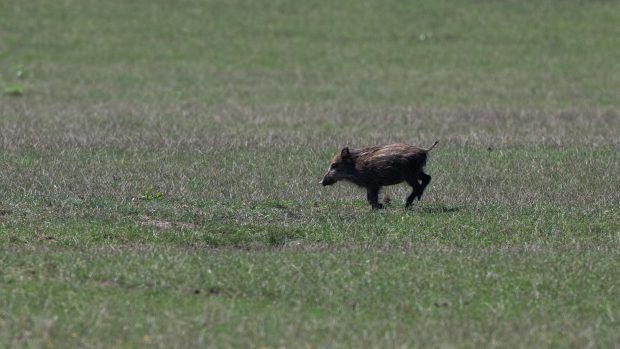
432, 146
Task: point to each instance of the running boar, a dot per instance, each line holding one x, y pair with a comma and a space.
375, 167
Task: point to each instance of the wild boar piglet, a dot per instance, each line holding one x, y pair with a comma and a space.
375, 167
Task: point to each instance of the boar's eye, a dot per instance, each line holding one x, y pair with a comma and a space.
333, 166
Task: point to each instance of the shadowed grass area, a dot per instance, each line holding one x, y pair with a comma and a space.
437, 226
159, 168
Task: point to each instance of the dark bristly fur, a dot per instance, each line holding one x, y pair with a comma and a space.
375, 167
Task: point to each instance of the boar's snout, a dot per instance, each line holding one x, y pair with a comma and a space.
327, 181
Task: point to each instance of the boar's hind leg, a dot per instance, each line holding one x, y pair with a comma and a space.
424, 179
416, 192
372, 194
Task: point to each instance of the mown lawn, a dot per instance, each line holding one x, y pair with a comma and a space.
159, 168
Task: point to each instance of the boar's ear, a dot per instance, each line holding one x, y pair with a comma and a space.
345, 153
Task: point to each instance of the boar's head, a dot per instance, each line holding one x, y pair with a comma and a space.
341, 167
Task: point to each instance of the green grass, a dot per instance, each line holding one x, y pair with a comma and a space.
480, 53
179, 297
232, 109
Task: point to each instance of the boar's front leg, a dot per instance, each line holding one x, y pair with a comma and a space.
372, 194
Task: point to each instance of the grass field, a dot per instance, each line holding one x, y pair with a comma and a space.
160, 160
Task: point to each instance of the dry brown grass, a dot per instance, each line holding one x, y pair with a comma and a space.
202, 128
